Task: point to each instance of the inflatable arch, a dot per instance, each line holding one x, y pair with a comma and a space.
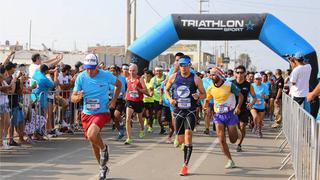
263, 27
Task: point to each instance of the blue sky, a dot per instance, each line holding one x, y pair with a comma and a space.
62, 22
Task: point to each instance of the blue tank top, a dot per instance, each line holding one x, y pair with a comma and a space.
183, 88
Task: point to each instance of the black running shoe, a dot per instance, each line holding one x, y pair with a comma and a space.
206, 131
13, 143
162, 131
104, 171
239, 149
104, 156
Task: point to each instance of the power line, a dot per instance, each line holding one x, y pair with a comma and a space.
153, 9
188, 5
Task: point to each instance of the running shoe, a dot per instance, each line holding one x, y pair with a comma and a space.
182, 146
150, 130
104, 156
239, 149
104, 171
176, 143
254, 130
5, 145
259, 134
230, 164
162, 131
141, 134
121, 133
206, 131
128, 141
145, 122
13, 143
169, 140
184, 170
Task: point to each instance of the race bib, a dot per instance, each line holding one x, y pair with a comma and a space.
184, 103
134, 94
223, 108
259, 102
93, 104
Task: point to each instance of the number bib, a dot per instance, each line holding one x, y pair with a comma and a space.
134, 94
259, 102
93, 104
184, 103
223, 108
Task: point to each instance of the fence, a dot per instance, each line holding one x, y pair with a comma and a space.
302, 134
59, 112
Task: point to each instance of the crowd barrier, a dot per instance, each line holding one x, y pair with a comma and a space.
60, 112
302, 134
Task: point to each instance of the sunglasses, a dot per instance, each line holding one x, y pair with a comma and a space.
239, 72
183, 65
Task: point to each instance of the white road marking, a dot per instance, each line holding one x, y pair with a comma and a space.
133, 156
204, 155
43, 163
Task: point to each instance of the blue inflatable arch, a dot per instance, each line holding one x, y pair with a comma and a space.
263, 27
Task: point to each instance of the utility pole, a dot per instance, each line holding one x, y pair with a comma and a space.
134, 16
128, 25
201, 11
30, 35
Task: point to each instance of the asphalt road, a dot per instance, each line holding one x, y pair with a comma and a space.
70, 157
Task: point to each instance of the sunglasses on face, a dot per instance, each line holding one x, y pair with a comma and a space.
183, 65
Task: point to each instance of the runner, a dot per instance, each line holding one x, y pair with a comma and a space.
148, 101
224, 92
156, 82
92, 85
184, 86
134, 96
166, 113
207, 81
246, 88
258, 109
120, 105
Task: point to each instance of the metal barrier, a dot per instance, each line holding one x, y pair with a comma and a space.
63, 113
302, 134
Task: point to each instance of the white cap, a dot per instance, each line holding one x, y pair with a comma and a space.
257, 76
90, 61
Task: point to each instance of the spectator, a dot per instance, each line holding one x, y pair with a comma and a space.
299, 78
279, 85
43, 85
36, 62
14, 98
286, 87
4, 109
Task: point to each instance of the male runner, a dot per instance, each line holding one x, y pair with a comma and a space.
184, 85
92, 85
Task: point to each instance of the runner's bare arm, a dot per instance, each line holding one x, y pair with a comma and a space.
117, 89
7, 59
207, 100
168, 87
201, 89
144, 89
253, 94
76, 96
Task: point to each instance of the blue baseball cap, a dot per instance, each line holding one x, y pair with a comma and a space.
90, 61
185, 60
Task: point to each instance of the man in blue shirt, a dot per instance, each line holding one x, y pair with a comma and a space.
43, 84
93, 85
